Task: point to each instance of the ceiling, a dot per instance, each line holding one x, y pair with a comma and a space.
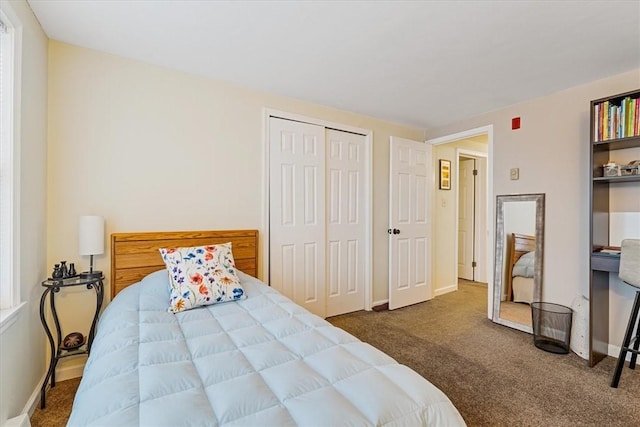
420, 63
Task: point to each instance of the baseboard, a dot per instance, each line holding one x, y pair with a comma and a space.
21, 420
445, 290
614, 351
34, 399
69, 372
62, 374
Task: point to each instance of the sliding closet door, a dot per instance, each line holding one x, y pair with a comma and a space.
346, 230
297, 212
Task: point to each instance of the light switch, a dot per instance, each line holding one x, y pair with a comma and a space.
515, 173
444, 203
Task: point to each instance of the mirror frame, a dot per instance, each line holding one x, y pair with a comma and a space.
498, 273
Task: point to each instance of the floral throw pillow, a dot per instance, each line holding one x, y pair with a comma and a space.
201, 275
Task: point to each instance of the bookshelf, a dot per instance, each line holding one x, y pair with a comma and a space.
615, 130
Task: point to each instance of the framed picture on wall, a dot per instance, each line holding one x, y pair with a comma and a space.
445, 174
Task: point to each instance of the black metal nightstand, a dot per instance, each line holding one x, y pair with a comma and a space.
52, 287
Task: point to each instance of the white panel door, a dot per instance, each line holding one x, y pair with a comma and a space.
409, 240
466, 219
480, 272
297, 212
345, 222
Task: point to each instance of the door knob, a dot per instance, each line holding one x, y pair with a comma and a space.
396, 231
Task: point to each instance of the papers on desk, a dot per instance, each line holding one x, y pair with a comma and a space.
610, 251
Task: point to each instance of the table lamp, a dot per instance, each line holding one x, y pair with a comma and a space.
91, 242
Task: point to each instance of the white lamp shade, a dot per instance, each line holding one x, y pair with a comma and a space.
91, 235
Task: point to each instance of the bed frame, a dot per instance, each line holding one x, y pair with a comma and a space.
519, 244
134, 255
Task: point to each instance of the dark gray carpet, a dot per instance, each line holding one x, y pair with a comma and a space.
494, 375
59, 403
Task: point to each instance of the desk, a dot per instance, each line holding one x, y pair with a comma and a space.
53, 287
601, 266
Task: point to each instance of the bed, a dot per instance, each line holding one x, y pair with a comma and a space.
262, 360
520, 271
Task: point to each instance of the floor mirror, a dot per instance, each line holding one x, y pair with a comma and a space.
519, 257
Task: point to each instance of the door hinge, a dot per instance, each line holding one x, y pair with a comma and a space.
475, 172
474, 264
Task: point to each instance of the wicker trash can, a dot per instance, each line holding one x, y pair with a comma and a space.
551, 326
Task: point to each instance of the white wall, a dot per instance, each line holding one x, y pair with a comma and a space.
552, 151
154, 149
445, 268
22, 346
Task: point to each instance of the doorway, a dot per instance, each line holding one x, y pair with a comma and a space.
475, 143
471, 187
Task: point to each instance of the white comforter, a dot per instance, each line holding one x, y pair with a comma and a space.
263, 361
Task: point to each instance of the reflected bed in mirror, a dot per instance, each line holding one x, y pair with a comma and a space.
519, 258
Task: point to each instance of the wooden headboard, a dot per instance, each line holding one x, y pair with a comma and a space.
134, 255
519, 245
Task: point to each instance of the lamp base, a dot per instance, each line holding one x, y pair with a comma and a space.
90, 274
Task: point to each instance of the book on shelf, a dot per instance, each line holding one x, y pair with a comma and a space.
598, 119
615, 120
633, 117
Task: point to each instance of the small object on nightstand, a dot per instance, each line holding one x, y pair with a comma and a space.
72, 270
91, 274
63, 269
72, 341
57, 273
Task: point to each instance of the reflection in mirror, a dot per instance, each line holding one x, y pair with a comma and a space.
518, 258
